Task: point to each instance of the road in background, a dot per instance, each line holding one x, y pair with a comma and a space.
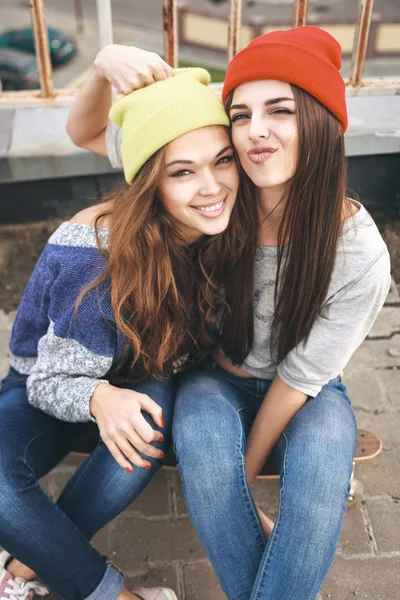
139, 23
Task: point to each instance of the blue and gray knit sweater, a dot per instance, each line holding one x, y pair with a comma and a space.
66, 357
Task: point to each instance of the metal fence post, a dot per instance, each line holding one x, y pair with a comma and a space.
360, 41
170, 23
104, 23
299, 14
234, 27
42, 48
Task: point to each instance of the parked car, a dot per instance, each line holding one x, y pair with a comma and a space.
62, 45
18, 70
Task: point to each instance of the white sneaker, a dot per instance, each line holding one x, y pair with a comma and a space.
156, 593
17, 588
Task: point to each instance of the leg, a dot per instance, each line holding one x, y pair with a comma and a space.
100, 489
314, 457
212, 418
32, 528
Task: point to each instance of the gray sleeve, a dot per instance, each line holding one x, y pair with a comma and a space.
113, 145
64, 377
343, 323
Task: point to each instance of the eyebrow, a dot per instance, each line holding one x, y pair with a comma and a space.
268, 102
191, 162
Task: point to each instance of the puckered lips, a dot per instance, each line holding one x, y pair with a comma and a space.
259, 154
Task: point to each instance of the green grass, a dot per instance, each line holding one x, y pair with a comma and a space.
217, 75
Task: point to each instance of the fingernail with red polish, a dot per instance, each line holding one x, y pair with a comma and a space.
128, 469
147, 467
161, 438
161, 455
162, 422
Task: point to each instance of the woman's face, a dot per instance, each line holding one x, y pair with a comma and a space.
200, 181
264, 131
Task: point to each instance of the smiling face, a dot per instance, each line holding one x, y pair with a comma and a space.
264, 132
200, 181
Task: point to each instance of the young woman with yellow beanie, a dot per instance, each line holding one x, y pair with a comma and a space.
321, 273
122, 296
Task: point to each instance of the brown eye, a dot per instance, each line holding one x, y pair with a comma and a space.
282, 111
225, 159
239, 117
180, 173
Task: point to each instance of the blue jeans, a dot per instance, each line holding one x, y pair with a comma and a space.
214, 412
53, 539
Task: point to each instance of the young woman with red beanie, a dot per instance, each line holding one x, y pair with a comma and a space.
321, 274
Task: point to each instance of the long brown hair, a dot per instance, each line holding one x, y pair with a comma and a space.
236, 326
311, 223
166, 294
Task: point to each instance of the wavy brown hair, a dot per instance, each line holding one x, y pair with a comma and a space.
165, 294
311, 223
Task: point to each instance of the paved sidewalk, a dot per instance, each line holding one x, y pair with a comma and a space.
154, 542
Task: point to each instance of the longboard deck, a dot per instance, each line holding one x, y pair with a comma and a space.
369, 445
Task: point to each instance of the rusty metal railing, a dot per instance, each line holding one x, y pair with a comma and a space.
170, 22
47, 95
360, 41
235, 24
299, 15
42, 47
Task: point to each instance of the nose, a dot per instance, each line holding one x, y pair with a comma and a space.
258, 129
210, 186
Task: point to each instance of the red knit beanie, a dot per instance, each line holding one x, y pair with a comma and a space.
306, 56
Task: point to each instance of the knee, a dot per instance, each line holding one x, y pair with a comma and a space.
12, 481
208, 450
204, 422
315, 492
15, 474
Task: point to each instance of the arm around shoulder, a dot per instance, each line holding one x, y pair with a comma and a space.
126, 68
88, 117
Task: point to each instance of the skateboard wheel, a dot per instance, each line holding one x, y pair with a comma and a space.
356, 493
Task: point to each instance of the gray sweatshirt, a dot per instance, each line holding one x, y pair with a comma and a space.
358, 288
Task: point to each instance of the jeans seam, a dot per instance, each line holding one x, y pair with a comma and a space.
245, 485
277, 523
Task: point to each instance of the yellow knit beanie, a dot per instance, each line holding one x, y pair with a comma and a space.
157, 114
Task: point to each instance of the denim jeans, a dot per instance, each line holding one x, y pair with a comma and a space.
214, 412
53, 538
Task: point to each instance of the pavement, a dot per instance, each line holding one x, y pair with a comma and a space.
154, 542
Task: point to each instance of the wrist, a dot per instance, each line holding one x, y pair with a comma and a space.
99, 63
97, 395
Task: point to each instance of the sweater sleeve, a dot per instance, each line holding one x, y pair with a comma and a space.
77, 351
113, 145
343, 323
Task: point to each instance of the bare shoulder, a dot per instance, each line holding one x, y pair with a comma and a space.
88, 215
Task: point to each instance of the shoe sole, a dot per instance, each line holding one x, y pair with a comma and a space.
170, 594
